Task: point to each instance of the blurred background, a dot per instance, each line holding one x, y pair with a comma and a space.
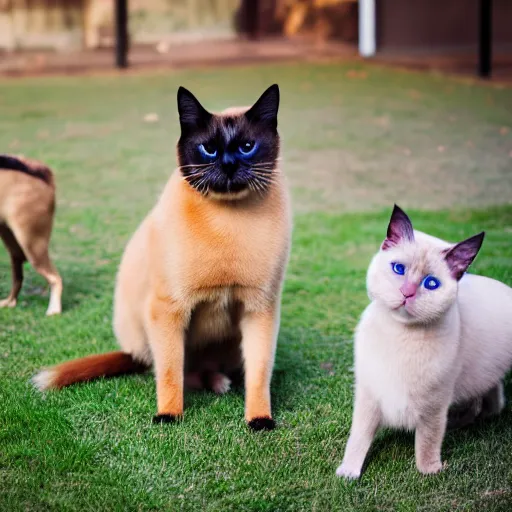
69, 35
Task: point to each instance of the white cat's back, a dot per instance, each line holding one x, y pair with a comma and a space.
485, 307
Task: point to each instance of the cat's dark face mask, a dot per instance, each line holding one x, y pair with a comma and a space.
229, 155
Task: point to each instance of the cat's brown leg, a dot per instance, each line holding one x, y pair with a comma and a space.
259, 336
165, 328
429, 439
365, 422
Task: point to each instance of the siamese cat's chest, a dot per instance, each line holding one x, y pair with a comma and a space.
404, 370
229, 251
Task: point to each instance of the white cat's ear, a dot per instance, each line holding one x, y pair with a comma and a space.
265, 109
399, 229
462, 255
192, 113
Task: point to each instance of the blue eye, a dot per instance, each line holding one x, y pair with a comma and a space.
208, 149
398, 268
431, 282
248, 148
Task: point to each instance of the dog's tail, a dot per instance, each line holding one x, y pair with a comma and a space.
86, 369
27, 166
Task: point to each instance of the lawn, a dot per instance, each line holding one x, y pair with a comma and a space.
355, 140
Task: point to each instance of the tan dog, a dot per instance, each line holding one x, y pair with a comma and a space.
27, 205
199, 285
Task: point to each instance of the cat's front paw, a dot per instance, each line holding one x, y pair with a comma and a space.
348, 472
430, 468
264, 423
165, 418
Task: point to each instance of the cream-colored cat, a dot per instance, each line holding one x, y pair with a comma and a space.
431, 337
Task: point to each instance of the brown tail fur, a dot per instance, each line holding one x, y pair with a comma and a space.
86, 369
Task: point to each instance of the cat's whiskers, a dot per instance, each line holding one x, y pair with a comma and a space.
263, 174
261, 170
258, 186
195, 177
199, 172
194, 165
201, 183
264, 178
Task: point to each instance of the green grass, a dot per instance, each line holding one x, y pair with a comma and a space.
439, 147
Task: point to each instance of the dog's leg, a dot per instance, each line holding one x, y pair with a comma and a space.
259, 336
17, 260
34, 242
43, 266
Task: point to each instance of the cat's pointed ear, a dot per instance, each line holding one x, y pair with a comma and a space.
265, 109
399, 229
192, 113
462, 255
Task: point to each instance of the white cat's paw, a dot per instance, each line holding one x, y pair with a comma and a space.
220, 383
430, 468
348, 472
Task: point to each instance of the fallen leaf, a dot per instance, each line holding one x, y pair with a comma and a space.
353, 73
151, 118
414, 94
326, 366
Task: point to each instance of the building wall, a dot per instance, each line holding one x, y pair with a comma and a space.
416, 24
154, 21
68, 25
181, 20
56, 24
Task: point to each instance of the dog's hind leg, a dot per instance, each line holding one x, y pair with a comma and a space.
17, 260
34, 240
41, 262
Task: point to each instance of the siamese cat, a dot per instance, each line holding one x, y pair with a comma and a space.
432, 337
27, 207
199, 286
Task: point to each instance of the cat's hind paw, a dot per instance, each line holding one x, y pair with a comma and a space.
347, 472
220, 383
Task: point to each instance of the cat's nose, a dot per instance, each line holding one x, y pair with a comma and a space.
229, 165
409, 289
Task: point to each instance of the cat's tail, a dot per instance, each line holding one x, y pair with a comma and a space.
87, 368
